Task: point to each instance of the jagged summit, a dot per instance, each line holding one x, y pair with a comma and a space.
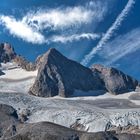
116, 81
57, 75
7, 52
53, 55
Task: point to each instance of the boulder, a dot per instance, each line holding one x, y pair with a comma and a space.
8, 120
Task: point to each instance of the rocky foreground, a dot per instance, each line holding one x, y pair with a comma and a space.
12, 128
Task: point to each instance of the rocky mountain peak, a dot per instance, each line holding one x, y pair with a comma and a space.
52, 56
116, 81
58, 75
7, 52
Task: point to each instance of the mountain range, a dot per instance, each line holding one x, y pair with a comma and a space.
58, 75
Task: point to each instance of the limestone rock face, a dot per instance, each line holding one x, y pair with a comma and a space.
7, 53
116, 82
23, 63
58, 75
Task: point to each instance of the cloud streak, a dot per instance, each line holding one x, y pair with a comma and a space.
75, 37
121, 46
109, 32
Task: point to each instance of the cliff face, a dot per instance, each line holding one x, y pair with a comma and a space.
58, 75
116, 82
7, 53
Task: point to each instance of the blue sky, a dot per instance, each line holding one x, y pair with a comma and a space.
88, 31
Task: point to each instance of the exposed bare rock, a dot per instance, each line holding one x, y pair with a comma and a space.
8, 120
7, 53
50, 131
1, 73
138, 88
23, 63
130, 129
39, 61
58, 75
116, 82
23, 116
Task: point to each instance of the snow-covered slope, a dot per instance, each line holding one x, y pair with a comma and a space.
90, 113
16, 79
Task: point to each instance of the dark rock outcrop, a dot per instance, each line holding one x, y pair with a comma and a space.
138, 88
50, 131
8, 120
58, 75
7, 53
1, 73
116, 82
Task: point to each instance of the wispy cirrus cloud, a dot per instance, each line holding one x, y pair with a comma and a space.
75, 37
121, 46
33, 25
109, 32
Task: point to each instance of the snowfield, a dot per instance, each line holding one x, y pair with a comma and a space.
91, 113
16, 79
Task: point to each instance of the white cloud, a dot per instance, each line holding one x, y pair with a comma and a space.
60, 18
109, 32
33, 25
75, 37
21, 30
121, 46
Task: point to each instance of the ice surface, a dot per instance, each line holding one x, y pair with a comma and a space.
94, 113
